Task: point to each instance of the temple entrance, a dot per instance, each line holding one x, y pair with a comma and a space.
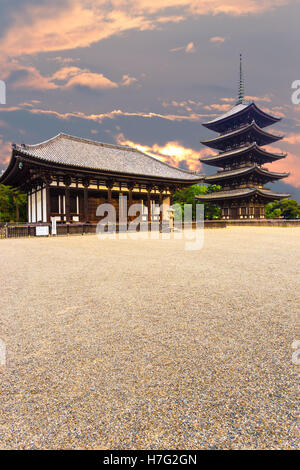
256, 212
93, 203
234, 213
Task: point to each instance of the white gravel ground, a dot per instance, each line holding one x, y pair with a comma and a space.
122, 344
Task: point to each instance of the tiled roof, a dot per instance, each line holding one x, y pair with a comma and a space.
238, 109
252, 126
240, 192
76, 152
247, 169
239, 150
234, 110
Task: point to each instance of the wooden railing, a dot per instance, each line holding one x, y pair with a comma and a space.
29, 230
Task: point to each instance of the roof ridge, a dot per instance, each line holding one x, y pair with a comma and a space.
97, 142
78, 139
40, 144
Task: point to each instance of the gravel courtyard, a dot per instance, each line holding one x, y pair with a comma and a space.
123, 344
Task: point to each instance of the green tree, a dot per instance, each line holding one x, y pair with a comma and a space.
20, 202
286, 208
187, 196
12, 204
5, 203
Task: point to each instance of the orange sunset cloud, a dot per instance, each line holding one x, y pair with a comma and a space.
72, 76
92, 80
80, 23
172, 152
290, 164
5, 151
193, 117
217, 39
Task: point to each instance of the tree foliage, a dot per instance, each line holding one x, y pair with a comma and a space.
12, 204
187, 196
286, 208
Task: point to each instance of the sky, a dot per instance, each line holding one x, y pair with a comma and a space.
147, 73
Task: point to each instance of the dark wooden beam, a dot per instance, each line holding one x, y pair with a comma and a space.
31, 205
149, 188
35, 198
86, 183
109, 185
160, 205
67, 197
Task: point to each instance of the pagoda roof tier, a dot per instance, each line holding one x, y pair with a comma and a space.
222, 159
224, 175
241, 113
242, 193
245, 134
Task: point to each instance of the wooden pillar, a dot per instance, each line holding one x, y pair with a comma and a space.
109, 194
42, 202
31, 205
85, 204
149, 188
67, 197
121, 207
48, 202
160, 206
130, 195
67, 182
130, 187
109, 185
35, 198
86, 184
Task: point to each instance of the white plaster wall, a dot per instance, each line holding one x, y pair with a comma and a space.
33, 208
39, 205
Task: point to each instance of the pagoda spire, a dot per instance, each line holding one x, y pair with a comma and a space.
241, 94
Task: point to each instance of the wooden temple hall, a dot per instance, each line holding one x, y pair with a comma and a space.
67, 178
241, 159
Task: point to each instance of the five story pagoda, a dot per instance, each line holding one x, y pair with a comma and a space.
241, 158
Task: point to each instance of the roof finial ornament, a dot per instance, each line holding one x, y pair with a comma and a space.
241, 95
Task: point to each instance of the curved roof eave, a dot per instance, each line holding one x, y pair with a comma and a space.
240, 131
240, 110
245, 170
9, 167
196, 178
244, 192
240, 151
